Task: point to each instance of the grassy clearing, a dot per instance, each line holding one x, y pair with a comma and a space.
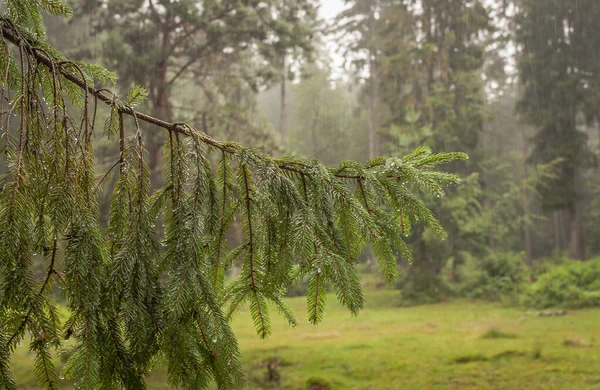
442, 346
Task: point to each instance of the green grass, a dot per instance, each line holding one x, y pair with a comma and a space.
442, 346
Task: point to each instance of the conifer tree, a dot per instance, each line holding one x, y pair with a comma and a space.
428, 60
135, 301
558, 70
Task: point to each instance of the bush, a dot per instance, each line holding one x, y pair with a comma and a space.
424, 281
573, 285
496, 276
420, 287
546, 264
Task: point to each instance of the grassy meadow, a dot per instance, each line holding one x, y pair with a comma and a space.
454, 345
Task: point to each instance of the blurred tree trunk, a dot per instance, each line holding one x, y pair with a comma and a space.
577, 250
313, 133
160, 101
373, 115
283, 113
491, 235
557, 234
525, 194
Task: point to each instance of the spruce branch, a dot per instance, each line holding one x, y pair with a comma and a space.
133, 302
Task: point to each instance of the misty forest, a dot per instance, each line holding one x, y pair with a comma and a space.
299, 194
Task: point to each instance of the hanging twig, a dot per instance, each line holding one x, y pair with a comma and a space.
41, 291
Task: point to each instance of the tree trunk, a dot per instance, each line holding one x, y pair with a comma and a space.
373, 119
161, 104
525, 195
557, 235
491, 234
283, 113
527, 237
577, 251
313, 135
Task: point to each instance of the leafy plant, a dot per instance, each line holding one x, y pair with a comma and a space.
573, 285
497, 276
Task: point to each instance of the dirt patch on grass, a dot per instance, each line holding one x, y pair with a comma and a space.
576, 342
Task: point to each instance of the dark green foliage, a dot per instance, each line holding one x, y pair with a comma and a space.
559, 74
572, 285
424, 284
425, 64
138, 299
496, 276
593, 228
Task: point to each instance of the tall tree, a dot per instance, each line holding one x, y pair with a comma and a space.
160, 44
559, 74
430, 61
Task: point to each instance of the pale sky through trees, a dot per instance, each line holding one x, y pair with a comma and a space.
330, 8
328, 11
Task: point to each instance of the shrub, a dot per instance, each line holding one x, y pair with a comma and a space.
422, 288
496, 276
573, 285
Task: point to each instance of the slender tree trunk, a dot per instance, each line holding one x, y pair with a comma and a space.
313, 135
557, 233
161, 103
525, 195
527, 233
491, 234
283, 113
577, 251
373, 115
429, 31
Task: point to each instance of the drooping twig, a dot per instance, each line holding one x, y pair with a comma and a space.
41, 291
